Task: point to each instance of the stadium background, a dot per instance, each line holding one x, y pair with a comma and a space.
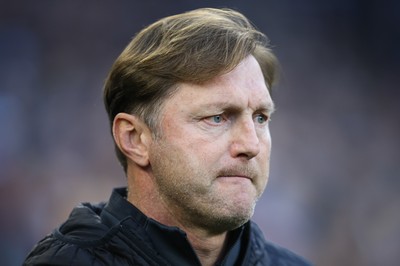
333, 194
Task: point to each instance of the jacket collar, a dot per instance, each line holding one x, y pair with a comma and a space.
170, 242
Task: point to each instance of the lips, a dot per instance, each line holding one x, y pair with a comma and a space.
239, 172
235, 175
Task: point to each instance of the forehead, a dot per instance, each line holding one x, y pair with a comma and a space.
244, 86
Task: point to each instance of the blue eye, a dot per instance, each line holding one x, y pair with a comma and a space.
217, 119
261, 119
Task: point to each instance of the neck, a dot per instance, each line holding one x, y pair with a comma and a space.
209, 247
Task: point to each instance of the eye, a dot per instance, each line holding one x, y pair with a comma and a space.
216, 119
261, 119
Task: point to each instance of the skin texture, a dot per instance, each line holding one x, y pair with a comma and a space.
210, 164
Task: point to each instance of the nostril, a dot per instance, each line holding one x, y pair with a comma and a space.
245, 148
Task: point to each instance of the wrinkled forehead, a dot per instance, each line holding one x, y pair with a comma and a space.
243, 86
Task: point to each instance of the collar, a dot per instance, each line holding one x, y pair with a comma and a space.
170, 242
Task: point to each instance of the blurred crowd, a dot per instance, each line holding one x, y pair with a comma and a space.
333, 194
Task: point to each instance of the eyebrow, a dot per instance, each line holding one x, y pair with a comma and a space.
268, 107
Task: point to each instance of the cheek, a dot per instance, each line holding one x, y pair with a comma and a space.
194, 146
202, 146
183, 153
263, 157
266, 142
212, 154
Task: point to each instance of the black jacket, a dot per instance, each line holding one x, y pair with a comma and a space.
117, 233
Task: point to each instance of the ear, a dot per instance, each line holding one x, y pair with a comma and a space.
133, 138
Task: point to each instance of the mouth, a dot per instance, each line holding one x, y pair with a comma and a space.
235, 176
235, 180
237, 173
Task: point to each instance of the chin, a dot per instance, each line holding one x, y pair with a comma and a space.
224, 222
231, 223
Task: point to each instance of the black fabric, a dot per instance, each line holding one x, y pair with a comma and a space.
117, 233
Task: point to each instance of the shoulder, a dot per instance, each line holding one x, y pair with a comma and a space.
82, 240
53, 251
266, 253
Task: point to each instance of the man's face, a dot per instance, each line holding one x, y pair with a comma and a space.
211, 161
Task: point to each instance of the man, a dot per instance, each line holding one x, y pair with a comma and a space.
189, 104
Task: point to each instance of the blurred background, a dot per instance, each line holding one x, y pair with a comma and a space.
333, 194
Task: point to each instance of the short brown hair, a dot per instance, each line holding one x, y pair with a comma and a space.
192, 47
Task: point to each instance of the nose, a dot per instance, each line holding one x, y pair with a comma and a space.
245, 142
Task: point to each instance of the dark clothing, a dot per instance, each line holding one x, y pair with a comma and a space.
117, 233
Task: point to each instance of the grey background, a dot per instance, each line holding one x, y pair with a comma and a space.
333, 194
